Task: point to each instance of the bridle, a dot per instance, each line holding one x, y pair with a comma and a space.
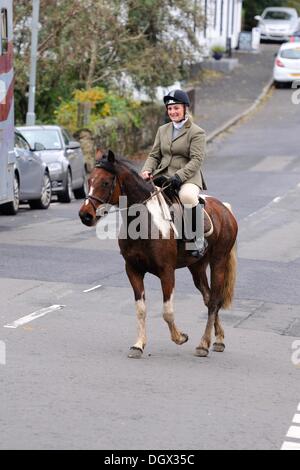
108, 166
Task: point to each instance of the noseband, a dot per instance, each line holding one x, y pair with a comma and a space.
108, 166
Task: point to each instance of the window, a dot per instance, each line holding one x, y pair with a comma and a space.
291, 54
277, 15
221, 17
67, 136
4, 32
216, 14
205, 18
48, 137
20, 143
232, 17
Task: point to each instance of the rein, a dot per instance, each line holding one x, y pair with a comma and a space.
110, 168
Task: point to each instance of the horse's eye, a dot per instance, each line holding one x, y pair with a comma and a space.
104, 184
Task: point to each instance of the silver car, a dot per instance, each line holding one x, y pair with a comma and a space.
32, 183
64, 158
278, 23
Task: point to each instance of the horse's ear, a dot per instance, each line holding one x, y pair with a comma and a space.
111, 156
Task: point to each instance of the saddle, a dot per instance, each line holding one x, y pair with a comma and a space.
172, 199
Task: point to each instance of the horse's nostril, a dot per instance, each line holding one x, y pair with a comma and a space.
86, 217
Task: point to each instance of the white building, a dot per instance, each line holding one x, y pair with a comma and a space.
222, 22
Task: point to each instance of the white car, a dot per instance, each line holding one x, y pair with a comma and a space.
278, 23
287, 64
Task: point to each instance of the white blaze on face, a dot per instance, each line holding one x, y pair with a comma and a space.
91, 190
158, 217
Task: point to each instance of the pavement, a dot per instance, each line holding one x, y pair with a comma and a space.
220, 97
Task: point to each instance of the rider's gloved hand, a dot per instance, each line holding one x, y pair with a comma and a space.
160, 180
175, 182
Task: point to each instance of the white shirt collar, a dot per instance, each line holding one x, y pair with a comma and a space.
179, 125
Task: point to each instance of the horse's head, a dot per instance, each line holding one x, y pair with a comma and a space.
104, 189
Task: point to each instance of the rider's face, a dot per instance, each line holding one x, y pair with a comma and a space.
176, 112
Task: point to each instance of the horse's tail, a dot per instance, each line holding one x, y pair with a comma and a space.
230, 274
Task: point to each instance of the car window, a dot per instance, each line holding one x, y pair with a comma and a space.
277, 15
21, 143
49, 138
290, 53
65, 137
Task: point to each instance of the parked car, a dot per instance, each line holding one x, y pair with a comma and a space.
64, 158
278, 23
295, 37
287, 64
32, 183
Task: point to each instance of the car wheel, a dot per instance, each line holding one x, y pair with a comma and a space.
80, 193
11, 208
45, 199
67, 194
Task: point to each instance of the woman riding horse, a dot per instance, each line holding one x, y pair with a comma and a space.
113, 178
177, 155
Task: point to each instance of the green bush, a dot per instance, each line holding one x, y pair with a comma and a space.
116, 122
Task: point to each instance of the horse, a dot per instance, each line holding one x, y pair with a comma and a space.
113, 177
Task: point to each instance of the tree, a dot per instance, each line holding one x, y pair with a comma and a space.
107, 43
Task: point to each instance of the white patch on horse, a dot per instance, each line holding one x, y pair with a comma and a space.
155, 210
141, 317
168, 313
140, 308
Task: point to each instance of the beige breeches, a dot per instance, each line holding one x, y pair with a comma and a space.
189, 194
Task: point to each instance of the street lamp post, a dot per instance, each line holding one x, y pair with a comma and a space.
30, 116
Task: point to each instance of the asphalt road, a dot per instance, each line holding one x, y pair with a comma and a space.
67, 382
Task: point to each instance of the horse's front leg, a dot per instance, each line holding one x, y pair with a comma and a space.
168, 284
137, 281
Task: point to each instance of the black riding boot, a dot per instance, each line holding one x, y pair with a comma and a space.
197, 222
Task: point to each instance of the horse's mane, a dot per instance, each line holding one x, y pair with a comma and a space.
142, 184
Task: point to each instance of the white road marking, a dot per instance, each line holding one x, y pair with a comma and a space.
92, 288
34, 316
287, 445
277, 199
296, 418
274, 201
294, 432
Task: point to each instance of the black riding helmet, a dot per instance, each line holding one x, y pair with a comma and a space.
177, 97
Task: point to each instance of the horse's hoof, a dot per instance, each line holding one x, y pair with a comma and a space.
201, 352
184, 339
218, 347
135, 353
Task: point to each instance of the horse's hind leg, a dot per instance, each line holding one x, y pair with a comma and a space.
219, 345
168, 283
137, 281
198, 271
214, 305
